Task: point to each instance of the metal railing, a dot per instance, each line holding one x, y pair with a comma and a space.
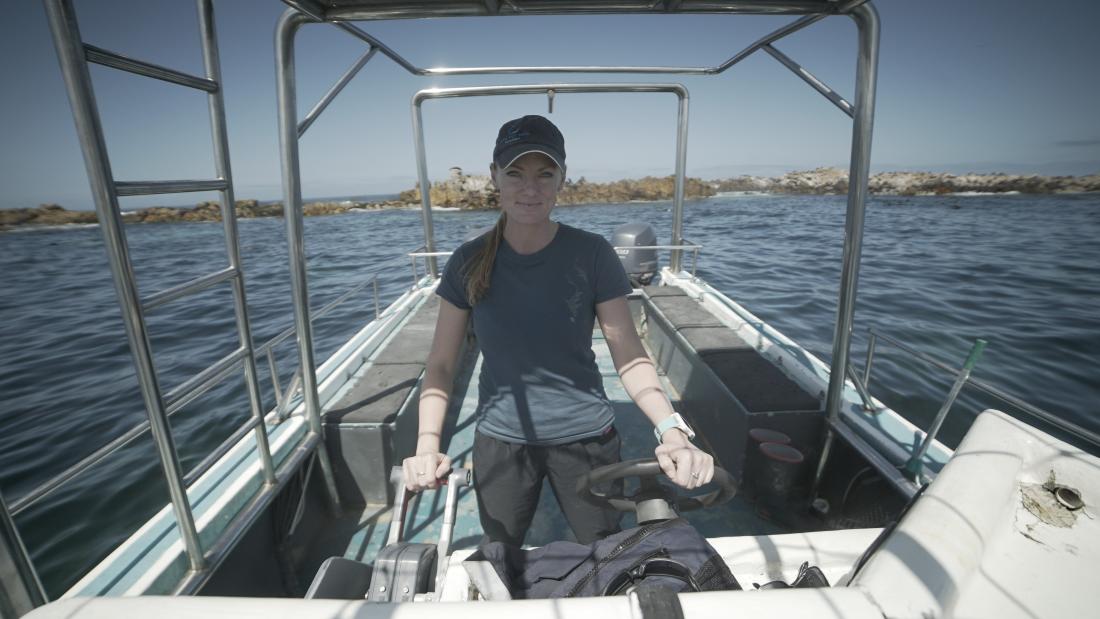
550, 90
193, 389
20, 589
964, 379
306, 11
429, 257
74, 56
283, 399
907, 477
458, 8
861, 110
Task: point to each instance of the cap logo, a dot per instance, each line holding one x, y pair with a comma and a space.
515, 134
534, 133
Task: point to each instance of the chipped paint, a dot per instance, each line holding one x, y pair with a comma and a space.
1039, 499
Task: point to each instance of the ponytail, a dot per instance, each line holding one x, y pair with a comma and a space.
480, 268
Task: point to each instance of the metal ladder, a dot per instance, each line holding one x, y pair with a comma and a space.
74, 56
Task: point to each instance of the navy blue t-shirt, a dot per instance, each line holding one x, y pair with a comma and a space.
539, 382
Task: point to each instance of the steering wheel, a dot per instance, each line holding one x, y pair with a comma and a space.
652, 501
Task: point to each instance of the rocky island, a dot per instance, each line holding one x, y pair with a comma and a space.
476, 192
55, 215
834, 181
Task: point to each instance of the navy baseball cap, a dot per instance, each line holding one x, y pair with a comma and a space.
530, 134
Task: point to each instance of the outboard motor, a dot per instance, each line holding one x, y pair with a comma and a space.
640, 264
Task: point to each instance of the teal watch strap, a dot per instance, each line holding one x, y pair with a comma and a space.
673, 421
667, 424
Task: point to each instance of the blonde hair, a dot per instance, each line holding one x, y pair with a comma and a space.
479, 269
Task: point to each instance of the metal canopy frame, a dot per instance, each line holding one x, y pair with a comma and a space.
351, 10
340, 12
74, 56
551, 90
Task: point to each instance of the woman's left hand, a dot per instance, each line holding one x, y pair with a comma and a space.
685, 464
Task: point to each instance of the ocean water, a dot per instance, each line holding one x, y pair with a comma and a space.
937, 272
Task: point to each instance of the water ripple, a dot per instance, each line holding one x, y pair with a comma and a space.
937, 272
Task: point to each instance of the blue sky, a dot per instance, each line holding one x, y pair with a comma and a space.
979, 85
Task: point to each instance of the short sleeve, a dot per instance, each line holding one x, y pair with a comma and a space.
611, 279
452, 286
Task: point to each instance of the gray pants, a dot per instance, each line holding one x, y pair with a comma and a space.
508, 478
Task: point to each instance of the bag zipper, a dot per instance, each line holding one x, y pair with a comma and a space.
638, 536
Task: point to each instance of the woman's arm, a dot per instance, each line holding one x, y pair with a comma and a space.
685, 464
428, 465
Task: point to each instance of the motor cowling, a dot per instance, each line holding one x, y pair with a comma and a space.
640, 264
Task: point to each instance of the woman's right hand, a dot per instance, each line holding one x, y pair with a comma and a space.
425, 470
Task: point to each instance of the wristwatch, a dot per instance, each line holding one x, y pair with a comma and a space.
673, 421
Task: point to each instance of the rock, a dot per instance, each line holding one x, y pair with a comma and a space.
157, 214
44, 215
15, 217
830, 181
646, 189
477, 192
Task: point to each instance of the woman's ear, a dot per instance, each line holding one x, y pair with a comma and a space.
561, 184
493, 174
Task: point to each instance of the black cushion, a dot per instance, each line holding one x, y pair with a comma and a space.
683, 311
377, 396
758, 383
664, 291
714, 339
415, 338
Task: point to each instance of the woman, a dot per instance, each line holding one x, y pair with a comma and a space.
533, 288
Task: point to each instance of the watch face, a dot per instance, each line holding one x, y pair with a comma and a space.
680, 423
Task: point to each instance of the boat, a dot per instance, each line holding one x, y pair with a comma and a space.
293, 514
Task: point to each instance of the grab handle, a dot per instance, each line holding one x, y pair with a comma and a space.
458, 477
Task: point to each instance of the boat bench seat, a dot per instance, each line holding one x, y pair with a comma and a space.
720, 362
377, 396
364, 428
755, 381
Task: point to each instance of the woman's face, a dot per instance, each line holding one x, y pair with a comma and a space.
528, 188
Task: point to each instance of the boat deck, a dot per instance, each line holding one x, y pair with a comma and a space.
360, 535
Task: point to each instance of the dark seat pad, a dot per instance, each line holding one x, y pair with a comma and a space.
377, 396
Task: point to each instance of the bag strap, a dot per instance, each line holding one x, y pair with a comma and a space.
659, 603
657, 566
808, 577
